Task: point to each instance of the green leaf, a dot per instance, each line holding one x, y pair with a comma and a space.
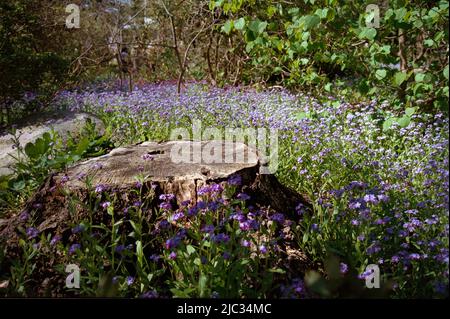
380, 74
18, 185
367, 33
239, 24
82, 146
399, 78
446, 72
311, 21
305, 237
30, 150
303, 115
420, 77
428, 42
202, 284
190, 250
257, 26
404, 121
388, 123
262, 26
227, 27
410, 111
277, 270
249, 46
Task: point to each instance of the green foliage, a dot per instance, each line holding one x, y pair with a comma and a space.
25, 65
50, 153
308, 44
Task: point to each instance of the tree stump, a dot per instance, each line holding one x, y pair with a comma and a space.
116, 173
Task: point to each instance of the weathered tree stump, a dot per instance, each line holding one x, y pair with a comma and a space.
160, 164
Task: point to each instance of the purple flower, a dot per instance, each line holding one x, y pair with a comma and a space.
370, 199
98, 166
166, 197
173, 255
300, 209
137, 204
373, 249
411, 212
214, 206
245, 243
155, 258
78, 229
412, 225
208, 229
279, 218
130, 280
120, 249
263, 249
178, 216
254, 224
152, 294
441, 288
354, 205
238, 216
24, 216
55, 240
105, 204
414, 256
243, 196
80, 176
165, 206
365, 274
148, 157
315, 227
185, 203
32, 232
100, 188
343, 268
74, 248
173, 242
226, 255
244, 225
163, 224
235, 180
220, 238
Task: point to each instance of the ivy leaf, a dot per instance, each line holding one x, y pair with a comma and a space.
239, 24
311, 21
399, 78
367, 33
257, 26
410, 111
420, 77
227, 27
380, 74
404, 121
